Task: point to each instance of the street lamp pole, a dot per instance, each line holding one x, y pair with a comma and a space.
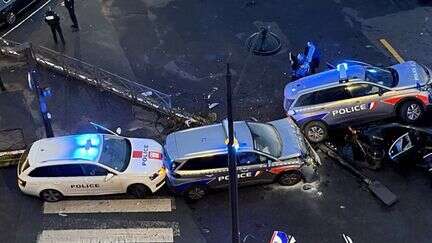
232, 164
41, 94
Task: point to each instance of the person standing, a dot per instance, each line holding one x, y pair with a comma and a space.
70, 5
53, 20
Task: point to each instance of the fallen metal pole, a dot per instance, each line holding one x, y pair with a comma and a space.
14, 49
375, 187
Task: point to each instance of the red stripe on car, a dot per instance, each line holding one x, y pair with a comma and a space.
281, 169
423, 98
392, 101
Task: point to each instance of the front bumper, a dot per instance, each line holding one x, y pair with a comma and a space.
310, 173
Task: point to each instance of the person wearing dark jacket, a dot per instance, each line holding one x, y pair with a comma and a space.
53, 21
70, 5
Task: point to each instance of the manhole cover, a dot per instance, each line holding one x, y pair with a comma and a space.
264, 43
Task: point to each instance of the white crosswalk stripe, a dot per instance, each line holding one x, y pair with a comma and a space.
150, 231
110, 206
107, 235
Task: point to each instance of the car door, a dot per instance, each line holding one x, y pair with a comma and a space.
335, 102
401, 148
318, 105
366, 101
252, 168
66, 178
210, 171
101, 181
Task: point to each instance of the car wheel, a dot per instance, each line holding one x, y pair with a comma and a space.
138, 190
290, 178
10, 18
411, 111
315, 131
195, 193
51, 195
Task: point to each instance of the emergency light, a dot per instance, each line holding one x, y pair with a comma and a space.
342, 68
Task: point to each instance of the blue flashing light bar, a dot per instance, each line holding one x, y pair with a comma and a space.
88, 140
343, 65
86, 154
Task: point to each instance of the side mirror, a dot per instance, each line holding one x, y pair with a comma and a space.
118, 130
109, 176
291, 112
381, 92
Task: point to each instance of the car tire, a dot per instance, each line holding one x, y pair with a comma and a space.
10, 18
51, 195
138, 190
195, 193
411, 111
290, 178
315, 131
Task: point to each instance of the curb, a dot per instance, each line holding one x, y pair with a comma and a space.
10, 158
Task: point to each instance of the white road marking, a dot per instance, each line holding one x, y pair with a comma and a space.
107, 235
109, 206
16, 26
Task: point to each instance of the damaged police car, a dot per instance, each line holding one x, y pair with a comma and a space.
358, 93
91, 164
196, 159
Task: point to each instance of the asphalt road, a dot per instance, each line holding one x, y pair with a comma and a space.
181, 47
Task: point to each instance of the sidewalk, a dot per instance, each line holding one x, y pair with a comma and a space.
96, 43
152, 43
72, 106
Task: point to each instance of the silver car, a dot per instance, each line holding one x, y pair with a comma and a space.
196, 159
358, 93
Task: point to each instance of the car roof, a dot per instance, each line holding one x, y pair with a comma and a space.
66, 150
326, 78
205, 141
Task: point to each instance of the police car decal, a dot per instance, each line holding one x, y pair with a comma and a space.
84, 186
355, 108
243, 175
146, 155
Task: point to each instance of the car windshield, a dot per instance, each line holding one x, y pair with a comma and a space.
115, 153
384, 76
265, 139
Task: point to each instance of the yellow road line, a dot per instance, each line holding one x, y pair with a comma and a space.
392, 51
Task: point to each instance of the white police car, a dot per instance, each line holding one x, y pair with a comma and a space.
91, 164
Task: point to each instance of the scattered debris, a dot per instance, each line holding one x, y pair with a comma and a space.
147, 93
342, 206
205, 230
213, 105
63, 214
319, 193
253, 119
307, 187
188, 122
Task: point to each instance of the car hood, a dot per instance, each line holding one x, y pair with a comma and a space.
411, 74
291, 138
145, 156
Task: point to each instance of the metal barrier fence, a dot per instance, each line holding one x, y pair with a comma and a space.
135, 92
